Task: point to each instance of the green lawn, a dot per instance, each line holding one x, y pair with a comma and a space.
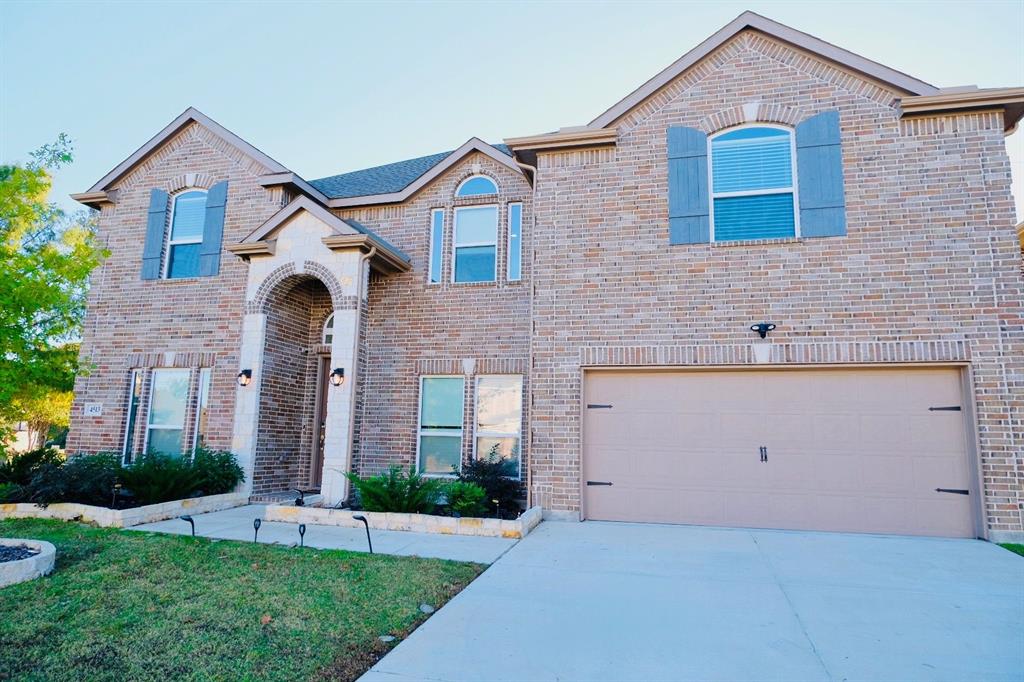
1016, 549
123, 605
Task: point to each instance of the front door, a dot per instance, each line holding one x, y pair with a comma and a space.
323, 378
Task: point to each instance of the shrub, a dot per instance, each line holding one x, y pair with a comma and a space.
156, 478
10, 492
492, 474
88, 479
217, 471
20, 468
465, 499
397, 492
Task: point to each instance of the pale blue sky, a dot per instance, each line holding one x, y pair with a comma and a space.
327, 87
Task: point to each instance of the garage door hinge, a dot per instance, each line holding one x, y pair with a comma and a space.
949, 408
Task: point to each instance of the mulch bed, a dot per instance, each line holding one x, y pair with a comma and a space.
16, 553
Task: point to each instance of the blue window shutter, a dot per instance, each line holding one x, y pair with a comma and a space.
819, 160
156, 223
213, 230
688, 207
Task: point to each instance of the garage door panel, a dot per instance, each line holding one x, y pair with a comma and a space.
850, 450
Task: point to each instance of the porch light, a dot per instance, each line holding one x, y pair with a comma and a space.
338, 376
245, 377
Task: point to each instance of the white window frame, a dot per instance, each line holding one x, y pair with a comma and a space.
169, 243
497, 188
508, 245
456, 245
477, 433
324, 331
430, 249
149, 407
202, 391
128, 432
420, 431
759, 192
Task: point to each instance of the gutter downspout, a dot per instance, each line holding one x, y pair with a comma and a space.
529, 360
355, 362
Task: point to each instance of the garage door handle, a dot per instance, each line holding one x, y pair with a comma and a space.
599, 482
595, 406
955, 491
946, 408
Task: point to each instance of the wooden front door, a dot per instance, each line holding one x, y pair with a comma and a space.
323, 381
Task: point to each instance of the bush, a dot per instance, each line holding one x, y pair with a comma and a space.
492, 474
18, 469
88, 479
10, 492
397, 492
465, 499
218, 471
152, 478
156, 478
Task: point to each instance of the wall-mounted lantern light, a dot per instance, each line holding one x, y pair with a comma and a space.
338, 376
245, 377
763, 328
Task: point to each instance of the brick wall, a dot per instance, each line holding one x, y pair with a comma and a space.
184, 322
930, 254
410, 320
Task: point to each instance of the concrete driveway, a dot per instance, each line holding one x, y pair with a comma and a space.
609, 601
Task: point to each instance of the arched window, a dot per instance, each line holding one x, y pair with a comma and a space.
753, 184
188, 215
475, 186
328, 335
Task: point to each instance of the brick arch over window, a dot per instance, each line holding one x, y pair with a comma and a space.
261, 301
474, 171
752, 112
190, 181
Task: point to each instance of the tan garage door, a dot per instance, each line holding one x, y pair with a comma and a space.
845, 450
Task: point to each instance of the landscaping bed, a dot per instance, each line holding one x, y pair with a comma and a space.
142, 606
122, 518
420, 523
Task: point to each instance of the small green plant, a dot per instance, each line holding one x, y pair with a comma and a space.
396, 491
492, 473
10, 492
465, 499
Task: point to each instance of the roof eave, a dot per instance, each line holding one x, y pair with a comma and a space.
1008, 100
295, 183
186, 117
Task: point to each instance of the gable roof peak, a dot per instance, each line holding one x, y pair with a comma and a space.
751, 20
190, 115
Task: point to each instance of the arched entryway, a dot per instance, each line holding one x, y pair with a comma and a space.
295, 383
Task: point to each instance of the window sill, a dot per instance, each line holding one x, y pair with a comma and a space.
759, 242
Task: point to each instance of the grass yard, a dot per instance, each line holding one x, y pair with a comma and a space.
1016, 549
124, 605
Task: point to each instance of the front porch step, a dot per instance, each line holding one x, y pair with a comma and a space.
312, 499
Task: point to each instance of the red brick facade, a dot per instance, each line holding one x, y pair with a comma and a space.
929, 271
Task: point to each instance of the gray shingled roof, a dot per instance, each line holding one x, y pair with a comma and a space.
392, 177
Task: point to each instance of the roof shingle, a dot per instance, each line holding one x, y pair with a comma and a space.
392, 177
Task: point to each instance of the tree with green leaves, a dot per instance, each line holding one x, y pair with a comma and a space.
46, 257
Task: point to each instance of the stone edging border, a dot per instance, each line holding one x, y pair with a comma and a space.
419, 523
12, 572
123, 518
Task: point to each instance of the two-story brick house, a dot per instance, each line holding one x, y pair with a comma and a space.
778, 285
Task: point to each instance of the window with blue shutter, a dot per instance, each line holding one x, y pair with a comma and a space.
188, 216
752, 188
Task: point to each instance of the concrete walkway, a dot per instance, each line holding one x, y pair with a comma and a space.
236, 524
620, 602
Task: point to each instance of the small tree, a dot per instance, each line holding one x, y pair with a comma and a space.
46, 257
42, 410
